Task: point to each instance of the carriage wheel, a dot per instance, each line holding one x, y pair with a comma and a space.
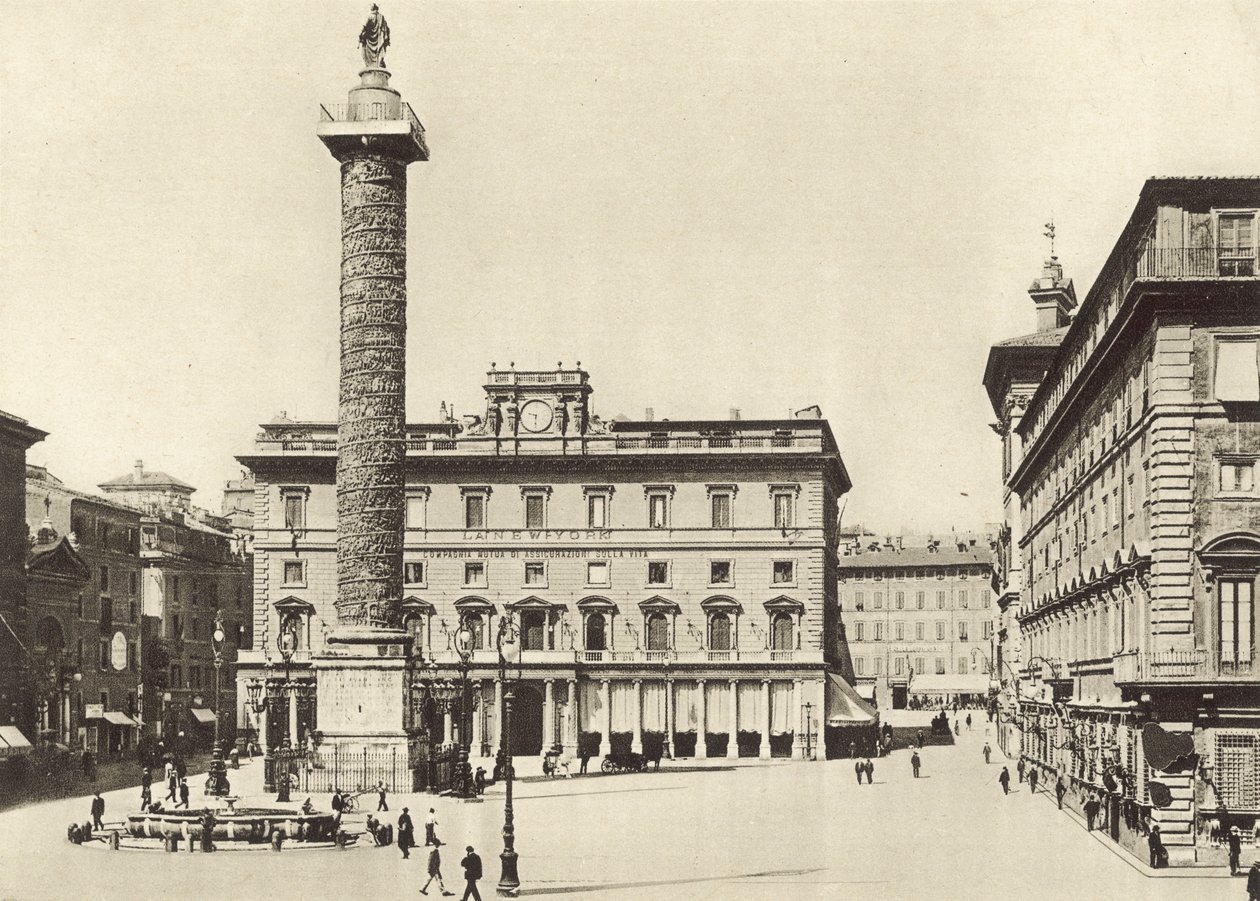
608, 766
350, 804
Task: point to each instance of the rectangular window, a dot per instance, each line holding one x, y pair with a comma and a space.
784, 515
962, 600
940, 666
901, 600
940, 630
720, 572
597, 572
1237, 763
104, 578
658, 511
962, 631
940, 600
918, 666
1235, 244
858, 632
1238, 476
879, 631
413, 572
918, 631
597, 510
783, 572
720, 509
131, 612
474, 510
986, 630
859, 601
920, 599
535, 511
879, 666
133, 584
295, 572
417, 509
535, 572
901, 631
294, 508
878, 600
658, 572
107, 614
1237, 376
859, 666
962, 666
103, 653
899, 665
1237, 622
475, 574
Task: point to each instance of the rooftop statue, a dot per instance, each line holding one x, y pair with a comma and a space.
374, 39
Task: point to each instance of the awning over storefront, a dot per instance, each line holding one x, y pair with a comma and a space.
945, 683
12, 739
202, 715
118, 718
844, 705
866, 691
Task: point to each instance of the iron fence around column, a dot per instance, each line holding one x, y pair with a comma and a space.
350, 769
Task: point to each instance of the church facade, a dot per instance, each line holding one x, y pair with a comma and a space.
671, 584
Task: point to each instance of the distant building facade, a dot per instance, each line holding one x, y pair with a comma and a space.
1134, 467
671, 582
195, 574
84, 570
920, 620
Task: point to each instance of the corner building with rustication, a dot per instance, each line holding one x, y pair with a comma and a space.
673, 584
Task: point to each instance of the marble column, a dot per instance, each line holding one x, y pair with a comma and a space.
549, 714
497, 738
798, 704
732, 739
605, 737
669, 718
636, 744
702, 726
446, 726
293, 715
478, 715
571, 734
767, 720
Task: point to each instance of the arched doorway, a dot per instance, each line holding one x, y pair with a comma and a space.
527, 721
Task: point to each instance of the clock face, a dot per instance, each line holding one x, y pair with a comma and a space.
536, 416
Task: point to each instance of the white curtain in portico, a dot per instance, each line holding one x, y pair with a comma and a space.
752, 708
782, 716
590, 707
653, 706
686, 707
717, 696
624, 700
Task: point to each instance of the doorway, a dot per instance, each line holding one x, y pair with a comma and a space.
527, 721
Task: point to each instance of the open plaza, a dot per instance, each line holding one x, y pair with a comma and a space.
717, 829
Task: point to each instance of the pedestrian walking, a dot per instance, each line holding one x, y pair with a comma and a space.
479, 780
1091, 812
969, 722
172, 781
859, 767
1032, 780
870, 772
338, 804
914, 763
380, 793
430, 827
435, 871
98, 811
1059, 791
987, 752
406, 834
1004, 778
1234, 840
919, 738
183, 793
1253, 881
1155, 842
207, 831
1019, 769
472, 872
852, 749
586, 757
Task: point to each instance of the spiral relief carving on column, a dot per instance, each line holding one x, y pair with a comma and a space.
371, 412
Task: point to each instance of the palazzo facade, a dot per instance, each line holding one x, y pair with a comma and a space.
671, 583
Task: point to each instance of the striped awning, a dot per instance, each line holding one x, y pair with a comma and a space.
12, 739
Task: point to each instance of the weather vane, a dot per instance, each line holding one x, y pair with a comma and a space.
1049, 233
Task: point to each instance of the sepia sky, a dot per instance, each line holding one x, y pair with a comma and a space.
711, 206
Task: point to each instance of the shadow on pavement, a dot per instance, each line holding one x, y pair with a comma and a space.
607, 886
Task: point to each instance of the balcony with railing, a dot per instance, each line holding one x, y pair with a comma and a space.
1157, 262
392, 123
1159, 666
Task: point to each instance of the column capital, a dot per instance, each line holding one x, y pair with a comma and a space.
637, 682
765, 681
701, 681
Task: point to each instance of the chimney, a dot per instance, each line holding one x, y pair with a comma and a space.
649, 415
734, 414
1053, 295
139, 470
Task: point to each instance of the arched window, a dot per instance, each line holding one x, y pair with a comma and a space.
413, 623
596, 632
657, 632
719, 631
781, 638
291, 623
476, 625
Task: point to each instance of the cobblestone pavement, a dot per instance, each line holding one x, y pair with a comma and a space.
757, 830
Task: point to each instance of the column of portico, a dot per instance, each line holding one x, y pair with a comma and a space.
798, 734
732, 736
446, 725
498, 713
636, 744
605, 736
549, 714
767, 721
571, 733
478, 714
702, 727
669, 718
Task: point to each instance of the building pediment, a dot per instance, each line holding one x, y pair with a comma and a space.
413, 604
57, 559
294, 604
784, 603
597, 603
656, 603
723, 603
474, 604
1237, 551
533, 602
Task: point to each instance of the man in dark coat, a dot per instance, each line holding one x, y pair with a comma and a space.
1155, 842
1059, 791
435, 871
1019, 769
98, 811
870, 771
987, 752
1004, 778
183, 793
859, 767
1234, 840
405, 834
338, 805
914, 763
1091, 813
1032, 780
472, 872
380, 793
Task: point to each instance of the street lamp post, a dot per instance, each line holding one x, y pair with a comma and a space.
509, 652
809, 735
217, 781
286, 644
464, 647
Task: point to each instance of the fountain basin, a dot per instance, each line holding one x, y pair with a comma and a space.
255, 825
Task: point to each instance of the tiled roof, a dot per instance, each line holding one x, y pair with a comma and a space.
146, 479
917, 557
1046, 338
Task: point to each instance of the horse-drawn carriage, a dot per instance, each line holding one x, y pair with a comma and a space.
624, 762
